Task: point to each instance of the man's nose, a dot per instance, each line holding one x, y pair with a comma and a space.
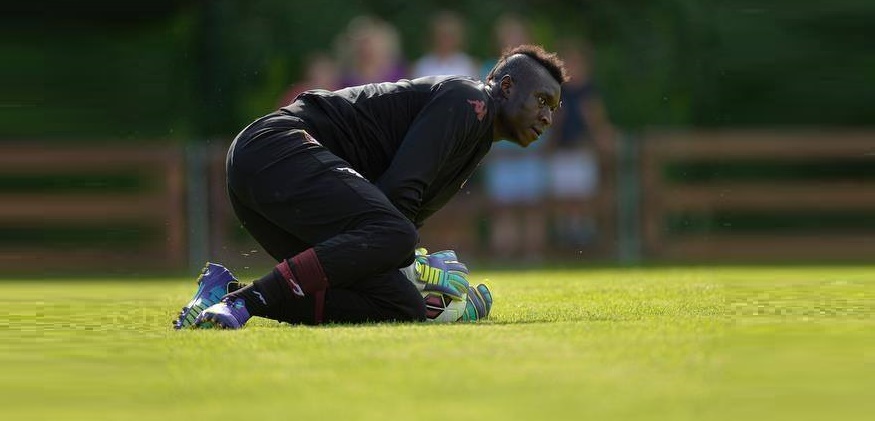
546, 118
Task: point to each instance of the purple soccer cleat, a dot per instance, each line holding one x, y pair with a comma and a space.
230, 313
212, 286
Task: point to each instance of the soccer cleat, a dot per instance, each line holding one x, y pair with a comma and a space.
230, 313
212, 285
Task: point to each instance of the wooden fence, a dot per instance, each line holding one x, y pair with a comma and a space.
95, 208
763, 196
737, 196
229, 242
463, 225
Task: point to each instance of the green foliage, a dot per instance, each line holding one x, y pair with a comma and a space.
64, 236
759, 222
101, 182
203, 69
774, 170
707, 343
96, 82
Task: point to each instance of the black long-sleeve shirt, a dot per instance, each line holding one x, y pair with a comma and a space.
416, 140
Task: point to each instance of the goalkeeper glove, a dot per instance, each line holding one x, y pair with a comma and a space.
440, 272
478, 304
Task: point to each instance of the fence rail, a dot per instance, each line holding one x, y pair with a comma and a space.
95, 221
704, 197
820, 196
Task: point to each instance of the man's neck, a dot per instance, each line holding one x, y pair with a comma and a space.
492, 93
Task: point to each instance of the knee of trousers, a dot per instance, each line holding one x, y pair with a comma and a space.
408, 304
414, 312
417, 312
400, 237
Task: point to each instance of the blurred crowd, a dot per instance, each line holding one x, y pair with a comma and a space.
544, 195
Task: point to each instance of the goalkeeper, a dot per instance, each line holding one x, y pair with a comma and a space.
334, 186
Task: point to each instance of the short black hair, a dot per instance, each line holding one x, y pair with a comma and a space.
550, 61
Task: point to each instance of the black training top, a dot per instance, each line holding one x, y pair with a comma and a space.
417, 140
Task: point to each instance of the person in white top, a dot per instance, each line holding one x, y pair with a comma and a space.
447, 56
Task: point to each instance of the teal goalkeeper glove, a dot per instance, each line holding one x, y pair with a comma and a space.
439, 272
478, 304
443, 282
442, 270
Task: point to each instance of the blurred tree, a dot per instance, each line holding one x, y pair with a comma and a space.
199, 69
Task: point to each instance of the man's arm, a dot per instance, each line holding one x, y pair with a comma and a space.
442, 125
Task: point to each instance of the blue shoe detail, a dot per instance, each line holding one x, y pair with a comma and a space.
212, 285
230, 313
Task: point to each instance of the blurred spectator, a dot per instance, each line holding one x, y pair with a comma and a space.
515, 180
320, 72
509, 31
369, 51
582, 118
446, 55
515, 184
581, 133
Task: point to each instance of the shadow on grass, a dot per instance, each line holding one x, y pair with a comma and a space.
478, 324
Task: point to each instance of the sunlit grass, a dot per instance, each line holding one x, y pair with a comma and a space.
718, 343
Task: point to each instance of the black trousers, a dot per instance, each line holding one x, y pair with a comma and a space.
291, 193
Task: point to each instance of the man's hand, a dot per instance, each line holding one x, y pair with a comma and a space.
478, 305
442, 272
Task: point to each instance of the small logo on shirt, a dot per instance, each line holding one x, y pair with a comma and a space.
349, 171
310, 139
479, 108
296, 289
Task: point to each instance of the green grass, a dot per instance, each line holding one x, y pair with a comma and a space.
677, 344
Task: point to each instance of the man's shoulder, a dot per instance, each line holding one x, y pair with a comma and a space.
459, 87
468, 92
459, 82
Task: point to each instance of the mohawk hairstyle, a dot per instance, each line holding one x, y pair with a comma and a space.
550, 61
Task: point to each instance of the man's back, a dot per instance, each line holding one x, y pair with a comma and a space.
441, 125
365, 125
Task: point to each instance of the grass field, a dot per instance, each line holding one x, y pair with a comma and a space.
678, 344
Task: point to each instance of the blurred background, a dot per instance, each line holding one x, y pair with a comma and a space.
692, 131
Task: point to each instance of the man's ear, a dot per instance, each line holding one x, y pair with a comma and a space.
506, 85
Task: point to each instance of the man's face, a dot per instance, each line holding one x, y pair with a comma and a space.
528, 111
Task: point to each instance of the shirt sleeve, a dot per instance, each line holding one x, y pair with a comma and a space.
445, 123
